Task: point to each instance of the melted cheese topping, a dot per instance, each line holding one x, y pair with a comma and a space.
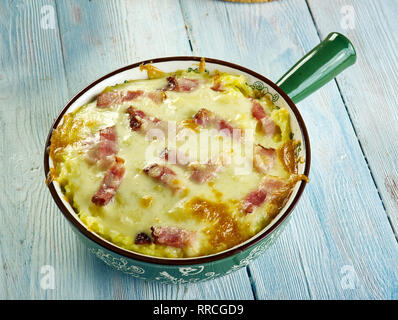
213, 209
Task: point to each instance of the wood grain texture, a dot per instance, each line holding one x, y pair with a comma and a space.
340, 223
32, 83
101, 36
48, 67
339, 229
370, 92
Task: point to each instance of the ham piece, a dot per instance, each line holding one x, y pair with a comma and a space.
164, 175
267, 125
263, 158
172, 236
157, 96
140, 121
200, 173
107, 145
257, 197
205, 118
181, 84
109, 98
102, 151
110, 183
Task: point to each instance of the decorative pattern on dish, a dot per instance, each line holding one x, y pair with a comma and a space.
260, 86
184, 275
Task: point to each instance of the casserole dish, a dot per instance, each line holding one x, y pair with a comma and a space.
319, 66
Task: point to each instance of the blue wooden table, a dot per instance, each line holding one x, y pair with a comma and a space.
341, 242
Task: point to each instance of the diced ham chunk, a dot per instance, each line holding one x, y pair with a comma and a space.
258, 111
136, 118
257, 197
109, 98
224, 126
110, 183
164, 175
106, 99
206, 118
91, 147
172, 236
200, 173
263, 158
157, 96
131, 95
102, 151
175, 157
107, 146
268, 126
254, 199
181, 84
140, 121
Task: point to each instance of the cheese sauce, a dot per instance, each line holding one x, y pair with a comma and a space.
229, 189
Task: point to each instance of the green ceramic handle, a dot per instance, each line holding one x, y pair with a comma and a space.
319, 66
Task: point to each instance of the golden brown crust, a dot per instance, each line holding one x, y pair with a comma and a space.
224, 231
287, 155
152, 71
63, 135
202, 65
50, 176
279, 198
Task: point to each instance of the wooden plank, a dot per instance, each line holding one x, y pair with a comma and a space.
98, 37
101, 36
339, 243
32, 83
370, 92
33, 232
337, 224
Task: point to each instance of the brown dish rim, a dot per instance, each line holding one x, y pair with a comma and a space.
179, 261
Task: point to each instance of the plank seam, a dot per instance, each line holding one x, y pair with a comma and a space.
395, 232
188, 33
313, 19
252, 283
305, 275
366, 160
62, 47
